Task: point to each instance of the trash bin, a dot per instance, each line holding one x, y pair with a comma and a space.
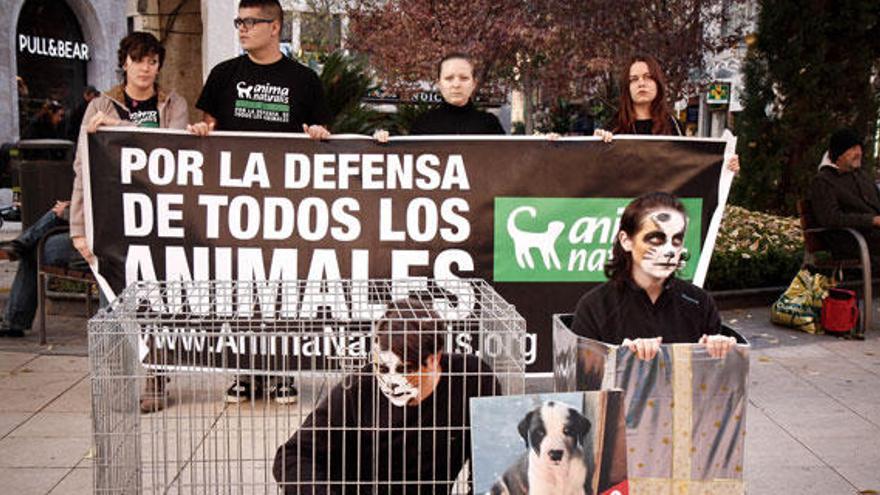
45, 175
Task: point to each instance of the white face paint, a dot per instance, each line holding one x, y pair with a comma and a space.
390, 374
658, 245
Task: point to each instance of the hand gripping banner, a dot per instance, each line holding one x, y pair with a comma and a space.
534, 217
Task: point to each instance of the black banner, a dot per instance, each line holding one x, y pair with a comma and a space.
535, 218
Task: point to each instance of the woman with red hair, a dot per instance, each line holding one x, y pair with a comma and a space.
643, 105
643, 108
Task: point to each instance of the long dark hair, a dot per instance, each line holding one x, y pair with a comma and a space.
619, 268
661, 116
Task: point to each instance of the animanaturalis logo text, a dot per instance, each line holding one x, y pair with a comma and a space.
568, 239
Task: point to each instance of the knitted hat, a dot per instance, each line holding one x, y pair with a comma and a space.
842, 140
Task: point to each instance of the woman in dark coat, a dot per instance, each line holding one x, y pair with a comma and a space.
456, 114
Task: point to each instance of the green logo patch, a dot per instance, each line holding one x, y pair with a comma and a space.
568, 239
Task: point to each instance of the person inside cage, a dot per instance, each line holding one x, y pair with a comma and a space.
643, 304
400, 424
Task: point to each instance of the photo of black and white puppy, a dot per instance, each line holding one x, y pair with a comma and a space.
554, 461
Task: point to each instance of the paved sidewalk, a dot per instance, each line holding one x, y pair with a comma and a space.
813, 420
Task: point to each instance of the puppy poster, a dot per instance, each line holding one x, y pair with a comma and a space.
554, 444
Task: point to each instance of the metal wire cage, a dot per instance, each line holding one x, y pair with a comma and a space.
350, 386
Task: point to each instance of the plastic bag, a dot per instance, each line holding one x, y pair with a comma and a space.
800, 306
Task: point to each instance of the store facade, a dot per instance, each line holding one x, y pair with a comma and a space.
52, 50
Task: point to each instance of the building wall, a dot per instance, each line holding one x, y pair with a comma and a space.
103, 24
219, 38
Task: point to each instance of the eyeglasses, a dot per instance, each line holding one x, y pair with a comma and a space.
248, 22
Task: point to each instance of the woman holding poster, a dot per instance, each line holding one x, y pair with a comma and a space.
138, 102
643, 304
457, 114
643, 107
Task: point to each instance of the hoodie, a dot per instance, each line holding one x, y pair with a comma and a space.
173, 114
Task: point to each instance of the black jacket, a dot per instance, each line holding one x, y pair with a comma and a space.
615, 311
356, 441
450, 119
844, 199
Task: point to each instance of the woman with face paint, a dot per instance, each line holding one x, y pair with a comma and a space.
643, 305
400, 424
456, 114
642, 108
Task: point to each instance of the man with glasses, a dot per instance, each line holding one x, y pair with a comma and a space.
263, 91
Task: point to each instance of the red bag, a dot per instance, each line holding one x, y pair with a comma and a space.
840, 312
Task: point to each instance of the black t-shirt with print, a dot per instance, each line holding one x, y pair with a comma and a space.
277, 97
143, 113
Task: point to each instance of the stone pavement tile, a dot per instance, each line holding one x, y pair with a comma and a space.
775, 387
851, 391
766, 373
769, 444
820, 386
809, 426
803, 411
834, 361
42, 452
865, 354
10, 421
799, 352
776, 462
78, 481
768, 479
862, 473
28, 392
850, 451
838, 447
77, 399
11, 360
56, 425
55, 364
30, 481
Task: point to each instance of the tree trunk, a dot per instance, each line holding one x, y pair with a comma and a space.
528, 103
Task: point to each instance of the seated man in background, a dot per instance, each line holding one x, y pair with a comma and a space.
57, 251
401, 425
843, 195
642, 304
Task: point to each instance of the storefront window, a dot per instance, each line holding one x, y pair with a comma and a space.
52, 57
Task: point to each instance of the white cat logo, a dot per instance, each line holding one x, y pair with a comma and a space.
244, 91
544, 242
